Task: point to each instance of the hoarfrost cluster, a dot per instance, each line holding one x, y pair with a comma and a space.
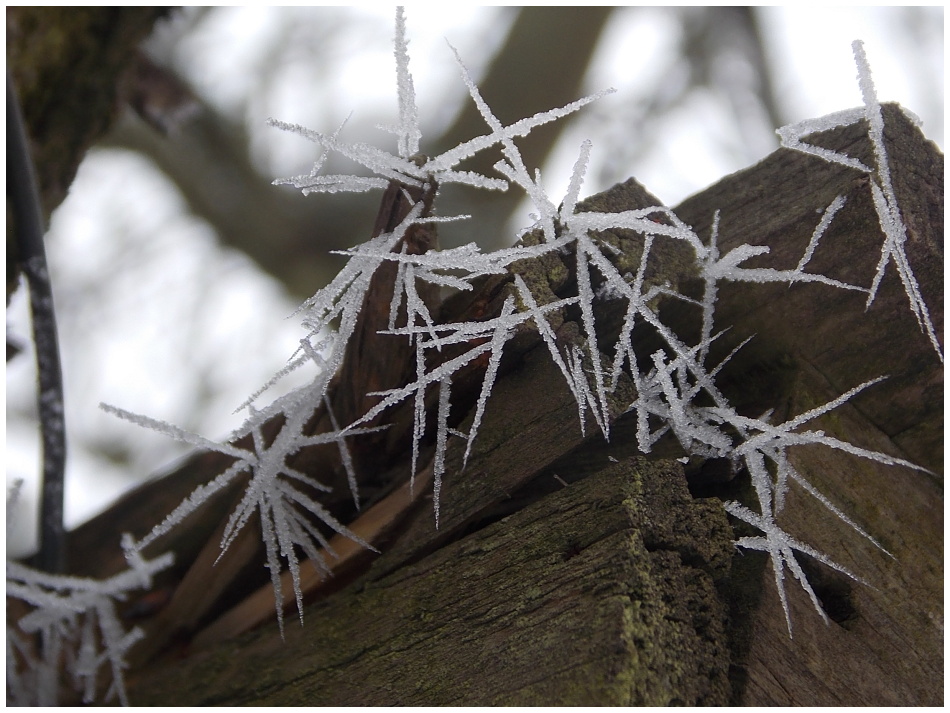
73, 621
669, 386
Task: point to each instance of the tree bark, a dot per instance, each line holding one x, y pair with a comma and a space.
68, 66
568, 570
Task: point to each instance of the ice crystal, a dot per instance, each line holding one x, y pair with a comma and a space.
273, 490
73, 619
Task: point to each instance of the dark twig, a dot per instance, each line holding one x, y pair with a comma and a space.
28, 221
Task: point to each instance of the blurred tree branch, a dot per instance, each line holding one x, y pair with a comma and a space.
208, 159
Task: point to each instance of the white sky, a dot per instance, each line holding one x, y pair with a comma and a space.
122, 218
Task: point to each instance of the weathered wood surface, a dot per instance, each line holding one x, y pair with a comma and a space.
885, 645
888, 648
778, 203
601, 591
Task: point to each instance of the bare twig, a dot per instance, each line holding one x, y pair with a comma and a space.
24, 200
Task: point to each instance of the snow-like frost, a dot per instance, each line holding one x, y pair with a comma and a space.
826, 218
781, 547
72, 618
282, 507
408, 130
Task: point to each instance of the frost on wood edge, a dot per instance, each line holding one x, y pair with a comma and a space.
668, 385
882, 189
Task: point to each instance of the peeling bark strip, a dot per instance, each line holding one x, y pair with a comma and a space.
376, 362
884, 645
